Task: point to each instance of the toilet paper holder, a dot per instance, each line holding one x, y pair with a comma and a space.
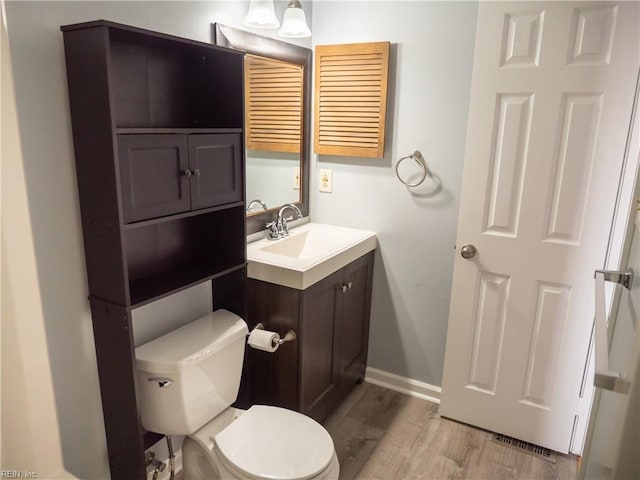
290, 335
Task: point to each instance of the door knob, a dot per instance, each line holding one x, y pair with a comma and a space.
468, 251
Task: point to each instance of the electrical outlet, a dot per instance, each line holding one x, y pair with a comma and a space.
296, 178
325, 180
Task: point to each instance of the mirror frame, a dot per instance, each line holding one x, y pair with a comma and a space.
255, 44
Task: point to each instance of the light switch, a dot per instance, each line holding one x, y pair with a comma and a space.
325, 180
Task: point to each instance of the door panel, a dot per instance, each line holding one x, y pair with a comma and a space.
572, 166
551, 98
216, 161
508, 164
550, 318
488, 331
151, 175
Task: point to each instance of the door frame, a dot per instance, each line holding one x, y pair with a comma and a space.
617, 254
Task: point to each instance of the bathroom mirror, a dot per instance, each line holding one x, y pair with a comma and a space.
275, 159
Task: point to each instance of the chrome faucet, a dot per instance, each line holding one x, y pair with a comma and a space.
282, 221
252, 202
278, 228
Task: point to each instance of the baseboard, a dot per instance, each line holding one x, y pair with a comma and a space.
405, 385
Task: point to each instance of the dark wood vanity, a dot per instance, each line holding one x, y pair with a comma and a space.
159, 145
331, 318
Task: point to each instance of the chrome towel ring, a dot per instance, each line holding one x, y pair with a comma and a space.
419, 159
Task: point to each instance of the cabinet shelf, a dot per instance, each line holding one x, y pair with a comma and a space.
153, 288
165, 257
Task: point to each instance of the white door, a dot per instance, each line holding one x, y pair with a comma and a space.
551, 99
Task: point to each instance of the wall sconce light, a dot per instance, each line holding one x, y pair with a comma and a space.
294, 22
261, 14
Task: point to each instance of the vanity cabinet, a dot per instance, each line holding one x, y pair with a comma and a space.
164, 174
314, 373
158, 140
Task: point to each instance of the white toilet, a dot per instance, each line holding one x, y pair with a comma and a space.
187, 381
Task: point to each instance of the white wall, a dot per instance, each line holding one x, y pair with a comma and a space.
430, 78
30, 430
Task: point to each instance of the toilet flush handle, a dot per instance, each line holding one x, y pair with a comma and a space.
162, 381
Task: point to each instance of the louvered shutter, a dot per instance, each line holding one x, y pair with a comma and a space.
351, 99
273, 104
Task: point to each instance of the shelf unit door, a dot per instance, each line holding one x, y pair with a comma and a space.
216, 161
153, 175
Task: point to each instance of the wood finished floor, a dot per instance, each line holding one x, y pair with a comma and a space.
385, 435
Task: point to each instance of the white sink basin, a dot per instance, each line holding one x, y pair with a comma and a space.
310, 253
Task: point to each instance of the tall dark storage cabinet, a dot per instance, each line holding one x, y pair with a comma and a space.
158, 138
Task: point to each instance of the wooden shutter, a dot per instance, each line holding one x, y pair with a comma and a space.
273, 104
351, 99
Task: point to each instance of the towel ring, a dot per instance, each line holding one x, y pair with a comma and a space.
419, 159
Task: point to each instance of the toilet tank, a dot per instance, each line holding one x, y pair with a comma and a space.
188, 376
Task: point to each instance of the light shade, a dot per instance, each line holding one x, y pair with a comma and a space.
261, 14
294, 22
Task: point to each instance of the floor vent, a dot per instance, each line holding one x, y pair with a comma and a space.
540, 452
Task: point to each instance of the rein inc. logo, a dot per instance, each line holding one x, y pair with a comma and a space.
18, 474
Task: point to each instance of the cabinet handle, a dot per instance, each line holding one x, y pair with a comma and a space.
346, 286
188, 173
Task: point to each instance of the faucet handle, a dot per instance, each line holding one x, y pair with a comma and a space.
273, 232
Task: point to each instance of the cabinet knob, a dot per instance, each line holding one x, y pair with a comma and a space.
196, 172
187, 173
346, 286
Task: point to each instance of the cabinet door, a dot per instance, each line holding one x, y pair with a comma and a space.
152, 178
353, 324
318, 370
216, 161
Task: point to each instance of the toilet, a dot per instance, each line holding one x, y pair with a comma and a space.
187, 381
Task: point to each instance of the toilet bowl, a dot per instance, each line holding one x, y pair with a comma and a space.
187, 381
260, 443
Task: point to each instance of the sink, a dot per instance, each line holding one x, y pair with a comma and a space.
310, 253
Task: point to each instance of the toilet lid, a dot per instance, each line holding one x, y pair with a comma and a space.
275, 443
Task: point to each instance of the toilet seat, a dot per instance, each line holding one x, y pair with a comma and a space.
275, 443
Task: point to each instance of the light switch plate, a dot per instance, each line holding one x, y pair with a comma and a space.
325, 180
